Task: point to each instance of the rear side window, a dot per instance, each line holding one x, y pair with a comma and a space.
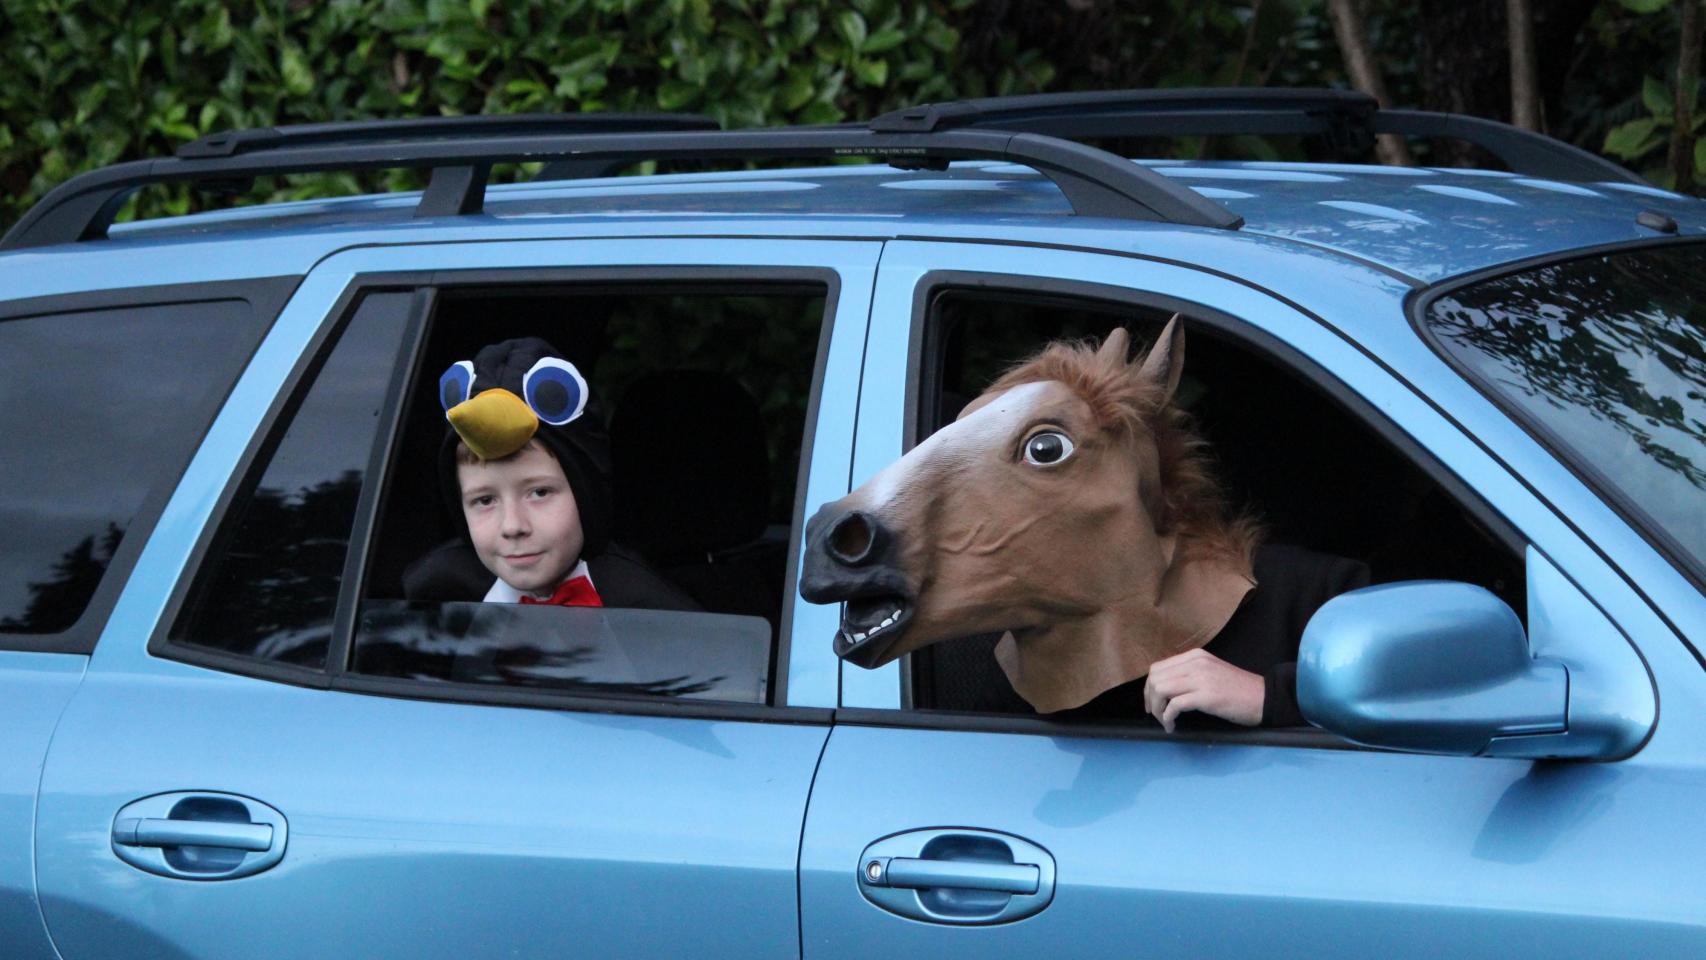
1605, 357
98, 409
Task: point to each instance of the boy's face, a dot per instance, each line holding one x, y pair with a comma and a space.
523, 519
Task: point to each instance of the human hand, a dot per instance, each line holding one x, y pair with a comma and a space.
1199, 680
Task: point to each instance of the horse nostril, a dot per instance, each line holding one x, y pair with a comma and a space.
854, 539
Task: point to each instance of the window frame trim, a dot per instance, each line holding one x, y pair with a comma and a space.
429, 287
266, 297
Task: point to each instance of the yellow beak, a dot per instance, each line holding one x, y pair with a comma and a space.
494, 424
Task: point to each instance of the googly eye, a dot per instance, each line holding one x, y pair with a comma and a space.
456, 385
1048, 449
555, 390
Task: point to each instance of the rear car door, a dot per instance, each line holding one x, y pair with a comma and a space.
1023, 837
81, 485
274, 755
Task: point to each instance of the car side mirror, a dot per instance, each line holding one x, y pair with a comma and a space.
1443, 667
1430, 666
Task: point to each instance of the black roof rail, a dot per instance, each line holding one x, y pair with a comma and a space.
1524, 151
1349, 119
233, 142
1095, 182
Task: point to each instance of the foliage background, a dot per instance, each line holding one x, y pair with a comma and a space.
89, 82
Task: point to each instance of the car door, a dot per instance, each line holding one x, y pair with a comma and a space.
285, 797
1021, 837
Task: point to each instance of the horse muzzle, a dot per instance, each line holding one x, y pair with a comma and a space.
849, 558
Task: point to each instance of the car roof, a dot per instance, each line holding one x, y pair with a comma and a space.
1426, 224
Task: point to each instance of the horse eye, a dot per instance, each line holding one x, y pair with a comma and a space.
1048, 449
456, 385
555, 390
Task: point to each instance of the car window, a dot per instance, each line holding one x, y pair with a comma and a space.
1336, 503
1606, 356
268, 586
99, 408
702, 392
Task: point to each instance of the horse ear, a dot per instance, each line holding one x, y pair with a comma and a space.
1166, 359
1115, 348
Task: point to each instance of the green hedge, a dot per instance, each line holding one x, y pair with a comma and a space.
89, 82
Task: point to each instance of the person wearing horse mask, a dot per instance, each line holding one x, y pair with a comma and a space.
1067, 540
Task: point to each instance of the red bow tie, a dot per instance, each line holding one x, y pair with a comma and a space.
573, 592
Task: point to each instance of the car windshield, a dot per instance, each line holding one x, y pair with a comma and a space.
1606, 356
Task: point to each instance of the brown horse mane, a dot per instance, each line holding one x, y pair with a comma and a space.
1195, 507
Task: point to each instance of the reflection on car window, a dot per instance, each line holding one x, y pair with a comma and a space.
96, 409
270, 586
1608, 355
589, 650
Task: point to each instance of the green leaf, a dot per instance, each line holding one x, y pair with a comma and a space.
872, 73
1699, 159
1645, 6
942, 37
821, 112
884, 40
293, 67
805, 26
1632, 139
1656, 97
851, 26
677, 94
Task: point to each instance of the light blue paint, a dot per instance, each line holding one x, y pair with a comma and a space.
1374, 210
1221, 193
34, 688
1555, 186
1465, 193
1252, 175
1644, 191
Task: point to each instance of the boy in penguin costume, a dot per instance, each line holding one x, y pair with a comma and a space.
525, 472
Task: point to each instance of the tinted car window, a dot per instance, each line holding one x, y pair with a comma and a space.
1608, 356
97, 409
269, 586
704, 391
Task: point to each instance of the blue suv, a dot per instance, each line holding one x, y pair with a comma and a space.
225, 731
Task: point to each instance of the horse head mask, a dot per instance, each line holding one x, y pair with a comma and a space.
1069, 505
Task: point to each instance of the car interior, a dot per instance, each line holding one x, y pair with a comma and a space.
704, 390
1315, 474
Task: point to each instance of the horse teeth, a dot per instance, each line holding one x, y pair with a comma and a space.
859, 637
886, 622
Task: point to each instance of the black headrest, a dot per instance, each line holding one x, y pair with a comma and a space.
692, 473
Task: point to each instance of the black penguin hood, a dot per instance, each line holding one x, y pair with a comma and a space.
519, 390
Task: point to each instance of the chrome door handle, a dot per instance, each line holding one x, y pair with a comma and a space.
154, 832
916, 874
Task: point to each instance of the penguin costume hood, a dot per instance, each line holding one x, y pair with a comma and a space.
516, 391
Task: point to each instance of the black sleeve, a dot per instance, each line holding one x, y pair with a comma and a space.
1303, 581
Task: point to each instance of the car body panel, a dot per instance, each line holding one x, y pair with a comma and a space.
1194, 848
1228, 848
467, 828
37, 687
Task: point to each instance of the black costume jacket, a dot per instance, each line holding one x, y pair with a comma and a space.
1262, 637
452, 572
